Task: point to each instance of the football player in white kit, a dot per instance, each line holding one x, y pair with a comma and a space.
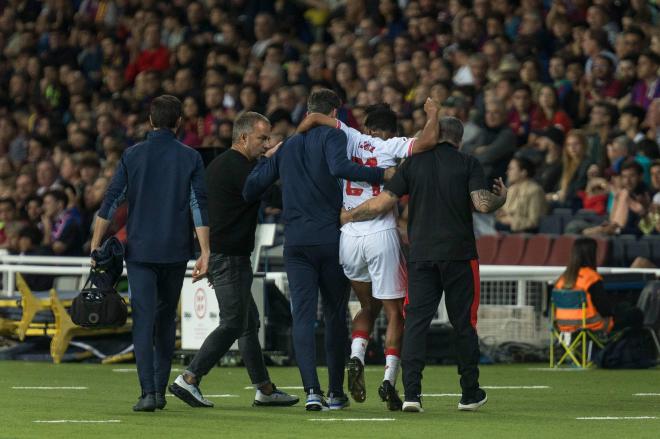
370, 252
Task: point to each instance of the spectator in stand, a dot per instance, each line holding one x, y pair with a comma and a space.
546, 154
152, 56
575, 164
8, 215
60, 225
496, 143
520, 116
192, 128
618, 150
631, 203
548, 113
630, 121
647, 87
525, 203
602, 118
601, 85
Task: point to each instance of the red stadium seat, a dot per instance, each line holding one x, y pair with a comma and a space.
561, 251
537, 250
487, 248
602, 251
512, 249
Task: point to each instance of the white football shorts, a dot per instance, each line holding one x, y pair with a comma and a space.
375, 258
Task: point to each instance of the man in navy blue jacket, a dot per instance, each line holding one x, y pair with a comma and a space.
163, 181
309, 166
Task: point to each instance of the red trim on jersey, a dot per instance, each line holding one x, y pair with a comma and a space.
477, 292
360, 334
338, 124
392, 351
410, 147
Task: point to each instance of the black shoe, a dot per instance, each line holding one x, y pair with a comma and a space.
356, 380
390, 396
160, 401
316, 402
473, 402
146, 403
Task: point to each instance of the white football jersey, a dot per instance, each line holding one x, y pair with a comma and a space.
375, 152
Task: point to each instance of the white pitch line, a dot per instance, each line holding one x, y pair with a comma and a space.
351, 419
129, 370
614, 418
514, 387
78, 421
646, 394
437, 395
223, 395
279, 387
49, 388
557, 369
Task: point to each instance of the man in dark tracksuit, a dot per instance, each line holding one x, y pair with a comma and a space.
309, 166
233, 224
444, 185
163, 181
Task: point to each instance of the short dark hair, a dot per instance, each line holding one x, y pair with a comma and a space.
323, 101
526, 165
634, 111
632, 164
32, 233
652, 56
8, 200
165, 111
59, 195
649, 148
381, 118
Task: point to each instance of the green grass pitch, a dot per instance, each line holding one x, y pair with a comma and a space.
549, 411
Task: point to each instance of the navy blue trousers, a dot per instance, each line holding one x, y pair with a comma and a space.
155, 291
310, 268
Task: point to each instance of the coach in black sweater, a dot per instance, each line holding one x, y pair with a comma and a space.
233, 224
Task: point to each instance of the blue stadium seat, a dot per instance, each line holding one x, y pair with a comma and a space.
552, 224
637, 248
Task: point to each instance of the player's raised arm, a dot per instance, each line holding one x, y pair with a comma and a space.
429, 135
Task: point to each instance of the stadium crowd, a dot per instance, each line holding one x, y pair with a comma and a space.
562, 97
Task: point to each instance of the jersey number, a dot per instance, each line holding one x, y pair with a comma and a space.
356, 191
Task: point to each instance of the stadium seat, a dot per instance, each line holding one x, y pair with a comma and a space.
562, 211
487, 249
654, 242
512, 249
552, 224
561, 251
602, 251
576, 345
537, 250
634, 249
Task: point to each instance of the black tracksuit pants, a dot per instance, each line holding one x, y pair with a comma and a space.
426, 283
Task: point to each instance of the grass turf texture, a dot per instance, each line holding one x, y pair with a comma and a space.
509, 413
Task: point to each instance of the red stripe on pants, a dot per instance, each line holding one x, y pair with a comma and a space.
477, 292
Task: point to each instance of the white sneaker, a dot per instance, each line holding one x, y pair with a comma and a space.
316, 403
189, 393
412, 407
276, 398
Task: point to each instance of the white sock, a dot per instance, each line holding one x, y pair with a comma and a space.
359, 348
392, 363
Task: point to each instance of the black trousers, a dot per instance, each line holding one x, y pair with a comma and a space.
426, 283
239, 319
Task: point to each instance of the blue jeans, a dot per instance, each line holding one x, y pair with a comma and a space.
310, 268
155, 291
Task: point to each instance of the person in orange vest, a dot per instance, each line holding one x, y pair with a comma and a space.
581, 275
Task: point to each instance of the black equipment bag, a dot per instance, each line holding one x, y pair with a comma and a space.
98, 307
